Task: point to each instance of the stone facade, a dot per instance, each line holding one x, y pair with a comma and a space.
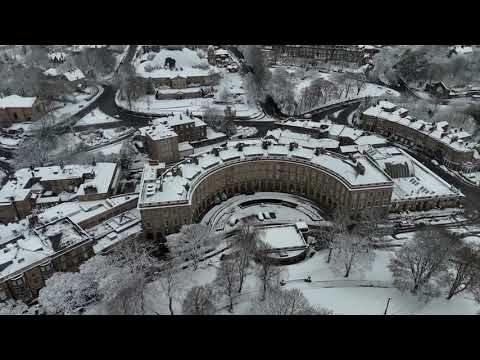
411, 137
323, 187
326, 53
164, 149
10, 114
452, 152
25, 283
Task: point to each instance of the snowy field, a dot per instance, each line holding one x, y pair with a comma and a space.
230, 82
96, 117
303, 79
357, 295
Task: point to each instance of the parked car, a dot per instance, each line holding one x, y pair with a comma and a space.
260, 216
272, 215
266, 215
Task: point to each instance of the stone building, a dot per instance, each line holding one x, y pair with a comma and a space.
56, 240
326, 53
15, 204
173, 196
415, 187
16, 108
61, 246
37, 185
163, 136
161, 142
451, 146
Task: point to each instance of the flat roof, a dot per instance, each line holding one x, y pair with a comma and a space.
281, 236
422, 184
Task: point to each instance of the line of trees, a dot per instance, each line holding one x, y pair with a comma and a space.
435, 262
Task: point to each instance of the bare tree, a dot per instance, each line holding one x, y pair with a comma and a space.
267, 272
463, 270
351, 252
192, 242
424, 257
171, 282
14, 307
244, 245
227, 280
65, 292
258, 79
213, 117
287, 302
281, 90
200, 300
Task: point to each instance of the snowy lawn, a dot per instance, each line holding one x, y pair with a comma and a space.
68, 109
96, 117
352, 296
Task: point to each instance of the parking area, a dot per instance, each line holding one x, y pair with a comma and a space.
263, 208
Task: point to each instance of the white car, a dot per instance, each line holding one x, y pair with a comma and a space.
266, 215
260, 216
233, 221
117, 116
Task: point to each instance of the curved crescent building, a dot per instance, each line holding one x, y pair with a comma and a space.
178, 195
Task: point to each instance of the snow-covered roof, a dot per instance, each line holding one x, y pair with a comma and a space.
462, 49
177, 119
370, 140
157, 132
74, 74
165, 187
82, 211
17, 194
16, 101
102, 175
305, 140
184, 146
26, 247
51, 72
281, 236
422, 184
116, 229
187, 64
59, 56
451, 137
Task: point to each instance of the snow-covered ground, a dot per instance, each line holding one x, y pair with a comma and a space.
231, 82
357, 295
96, 117
109, 149
104, 136
245, 131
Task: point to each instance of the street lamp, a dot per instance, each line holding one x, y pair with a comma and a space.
386, 308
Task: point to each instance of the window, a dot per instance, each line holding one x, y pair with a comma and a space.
18, 282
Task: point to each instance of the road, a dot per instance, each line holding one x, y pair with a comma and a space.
342, 116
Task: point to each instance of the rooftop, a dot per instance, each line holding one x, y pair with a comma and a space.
305, 140
30, 245
417, 181
157, 132
441, 132
187, 63
281, 236
166, 187
16, 101
115, 229
99, 176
